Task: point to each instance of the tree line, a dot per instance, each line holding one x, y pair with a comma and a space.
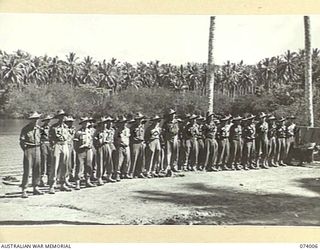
19, 70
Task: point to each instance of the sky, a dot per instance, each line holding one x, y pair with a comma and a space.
175, 39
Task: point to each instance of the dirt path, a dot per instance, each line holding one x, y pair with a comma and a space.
277, 196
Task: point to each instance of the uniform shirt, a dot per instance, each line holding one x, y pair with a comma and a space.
44, 132
137, 133
223, 132
262, 130
170, 130
235, 132
30, 136
282, 131
200, 131
272, 132
291, 130
84, 138
209, 131
122, 137
192, 131
105, 136
249, 132
59, 133
72, 131
153, 133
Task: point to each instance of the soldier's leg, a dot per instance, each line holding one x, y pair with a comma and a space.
54, 166
135, 149
140, 166
214, 151
208, 154
233, 152
80, 162
120, 154
168, 153
239, 154
175, 155
156, 159
187, 154
221, 151
27, 164
194, 154
44, 161
100, 163
150, 153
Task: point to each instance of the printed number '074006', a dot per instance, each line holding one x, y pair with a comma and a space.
312, 246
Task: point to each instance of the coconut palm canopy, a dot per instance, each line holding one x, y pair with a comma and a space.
20, 69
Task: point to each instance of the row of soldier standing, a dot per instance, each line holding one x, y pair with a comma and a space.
109, 150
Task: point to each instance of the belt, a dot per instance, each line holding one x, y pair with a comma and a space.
44, 142
32, 146
61, 142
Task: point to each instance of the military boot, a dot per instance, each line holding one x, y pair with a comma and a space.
109, 178
77, 185
89, 183
36, 191
64, 187
24, 194
100, 182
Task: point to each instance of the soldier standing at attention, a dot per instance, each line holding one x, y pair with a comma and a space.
72, 155
292, 131
262, 128
153, 148
59, 134
83, 144
30, 144
45, 149
170, 132
122, 141
137, 147
192, 148
211, 144
223, 143
104, 141
281, 141
236, 143
249, 134
200, 138
272, 139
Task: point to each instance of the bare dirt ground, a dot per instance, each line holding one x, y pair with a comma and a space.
276, 196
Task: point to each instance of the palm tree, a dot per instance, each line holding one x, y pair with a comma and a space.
210, 70
308, 72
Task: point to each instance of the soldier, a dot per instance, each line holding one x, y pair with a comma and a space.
191, 143
262, 141
30, 144
223, 142
281, 141
170, 132
292, 131
248, 134
45, 149
211, 144
59, 134
92, 127
122, 139
72, 155
137, 147
182, 139
104, 141
272, 139
83, 144
153, 148
200, 138
236, 143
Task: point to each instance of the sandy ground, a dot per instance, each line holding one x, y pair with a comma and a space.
276, 196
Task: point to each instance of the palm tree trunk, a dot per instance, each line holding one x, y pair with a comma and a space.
210, 70
308, 72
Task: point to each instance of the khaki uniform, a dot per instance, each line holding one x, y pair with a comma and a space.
192, 147
211, 145
104, 141
170, 135
153, 149
83, 146
137, 148
59, 134
223, 145
201, 154
262, 142
249, 134
281, 143
236, 145
30, 144
123, 156
272, 143
72, 154
46, 150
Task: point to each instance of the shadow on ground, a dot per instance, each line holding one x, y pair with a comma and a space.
215, 206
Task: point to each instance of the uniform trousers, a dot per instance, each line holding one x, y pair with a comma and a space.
201, 154
272, 145
60, 156
153, 154
281, 149
248, 152
172, 152
223, 151
191, 152
236, 147
84, 163
137, 158
45, 158
262, 148
290, 143
123, 160
211, 152
31, 162
71, 161
105, 157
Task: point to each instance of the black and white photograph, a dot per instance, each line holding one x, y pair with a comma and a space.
159, 119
